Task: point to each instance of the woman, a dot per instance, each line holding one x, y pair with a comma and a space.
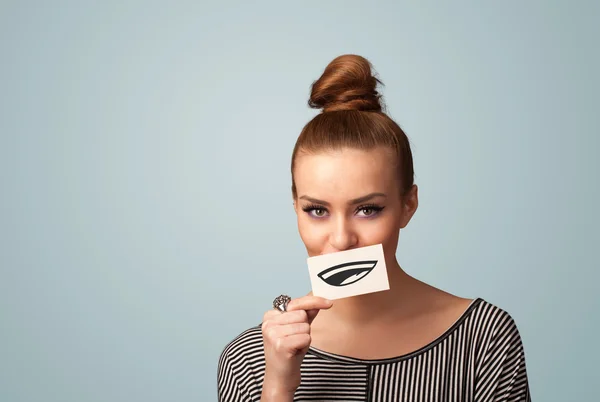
412, 342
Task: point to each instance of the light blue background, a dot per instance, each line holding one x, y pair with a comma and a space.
145, 211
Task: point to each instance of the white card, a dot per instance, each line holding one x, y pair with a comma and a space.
348, 273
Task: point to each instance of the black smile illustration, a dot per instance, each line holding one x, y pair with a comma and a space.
347, 273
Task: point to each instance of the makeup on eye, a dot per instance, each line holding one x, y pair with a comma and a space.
319, 211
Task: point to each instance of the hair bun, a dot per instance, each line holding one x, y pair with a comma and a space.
346, 84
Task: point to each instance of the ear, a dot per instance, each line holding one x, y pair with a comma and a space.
410, 203
295, 206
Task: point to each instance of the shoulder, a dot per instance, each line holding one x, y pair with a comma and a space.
501, 370
496, 333
241, 367
480, 321
244, 346
490, 320
477, 316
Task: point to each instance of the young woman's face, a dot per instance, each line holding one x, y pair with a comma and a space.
350, 198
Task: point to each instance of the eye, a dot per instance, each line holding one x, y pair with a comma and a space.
319, 212
315, 211
370, 210
347, 273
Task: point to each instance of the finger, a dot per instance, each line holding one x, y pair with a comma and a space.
281, 331
271, 314
294, 342
309, 303
290, 317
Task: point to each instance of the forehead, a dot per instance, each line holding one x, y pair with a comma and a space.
345, 174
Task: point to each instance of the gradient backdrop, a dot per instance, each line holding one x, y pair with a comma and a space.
145, 211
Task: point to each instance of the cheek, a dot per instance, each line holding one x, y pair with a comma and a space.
384, 232
380, 231
313, 235
390, 243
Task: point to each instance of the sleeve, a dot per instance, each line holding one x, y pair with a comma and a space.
228, 382
502, 374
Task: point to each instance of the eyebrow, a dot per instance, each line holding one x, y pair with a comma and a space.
351, 202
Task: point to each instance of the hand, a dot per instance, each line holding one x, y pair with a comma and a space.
286, 337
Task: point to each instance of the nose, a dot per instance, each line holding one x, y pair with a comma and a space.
343, 235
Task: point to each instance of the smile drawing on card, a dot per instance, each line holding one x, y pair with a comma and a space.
348, 273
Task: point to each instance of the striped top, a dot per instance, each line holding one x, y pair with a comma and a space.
479, 358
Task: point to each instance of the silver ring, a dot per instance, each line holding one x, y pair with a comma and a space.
280, 303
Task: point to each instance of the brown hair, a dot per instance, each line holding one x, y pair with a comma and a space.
352, 116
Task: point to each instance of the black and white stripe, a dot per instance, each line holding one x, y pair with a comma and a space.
480, 358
